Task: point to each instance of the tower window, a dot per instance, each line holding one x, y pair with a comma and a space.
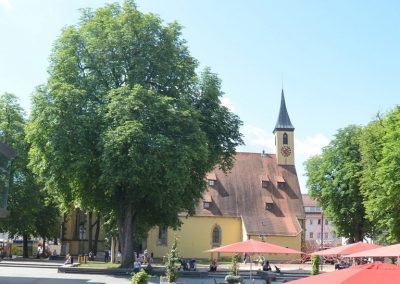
268, 206
285, 138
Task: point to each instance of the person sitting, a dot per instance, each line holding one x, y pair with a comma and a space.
213, 266
136, 266
192, 265
184, 265
149, 268
68, 259
266, 266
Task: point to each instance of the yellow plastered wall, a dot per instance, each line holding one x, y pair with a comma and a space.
284, 241
195, 236
71, 240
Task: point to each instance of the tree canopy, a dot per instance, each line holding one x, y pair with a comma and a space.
125, 124
381, 179
32, 211
334, 180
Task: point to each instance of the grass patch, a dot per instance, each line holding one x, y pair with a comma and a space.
95, 264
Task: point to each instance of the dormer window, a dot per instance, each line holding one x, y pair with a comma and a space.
207, 200
211, 179
264, 181
268, 203
281, 184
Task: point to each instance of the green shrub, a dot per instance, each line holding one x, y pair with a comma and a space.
234, 270
140, 277
315, 264
172, 259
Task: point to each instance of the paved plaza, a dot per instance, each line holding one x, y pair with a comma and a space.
34, 272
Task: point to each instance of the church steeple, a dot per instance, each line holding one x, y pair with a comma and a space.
283, 123
284, 136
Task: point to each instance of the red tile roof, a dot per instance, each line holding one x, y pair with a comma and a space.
240, 194
309, 201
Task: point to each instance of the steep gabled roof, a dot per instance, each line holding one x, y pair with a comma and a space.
283, 123
240, 194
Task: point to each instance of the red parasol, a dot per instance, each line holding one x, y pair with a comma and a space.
378, 272
347, 249
253, 246
388, 251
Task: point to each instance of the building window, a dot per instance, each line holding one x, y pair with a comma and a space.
162, 236
311, 221
268, 206
319, 235
326, 222
264, 184
216, 236
285, 138
319, 221
325, 236
311, 235
206, 204
211, 182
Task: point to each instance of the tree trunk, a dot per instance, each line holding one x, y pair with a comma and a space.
44, 247
96, 235
125, 231
113, 253
90, 233
24, 246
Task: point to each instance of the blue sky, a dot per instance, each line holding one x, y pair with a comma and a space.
338, 61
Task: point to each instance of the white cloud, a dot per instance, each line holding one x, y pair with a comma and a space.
226, 102
257, 139
310, 146
6, 3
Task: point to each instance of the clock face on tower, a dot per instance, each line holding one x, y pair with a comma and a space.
286, 151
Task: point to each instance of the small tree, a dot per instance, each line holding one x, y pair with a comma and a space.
171, 273
233, 276
234, 270
315, 264
140, 278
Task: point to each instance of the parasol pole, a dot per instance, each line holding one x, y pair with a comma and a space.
250, 266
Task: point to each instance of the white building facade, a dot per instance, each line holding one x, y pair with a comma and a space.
319, 231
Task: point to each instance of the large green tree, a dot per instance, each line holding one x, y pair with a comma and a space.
334, 180
381, 156
371, 143
124, 124
26, 201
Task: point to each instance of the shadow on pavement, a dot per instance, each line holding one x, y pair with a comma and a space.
30, 280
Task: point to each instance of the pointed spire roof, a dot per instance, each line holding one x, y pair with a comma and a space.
283, 122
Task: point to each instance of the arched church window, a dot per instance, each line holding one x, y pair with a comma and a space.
162, 236
216, 236
285, 138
